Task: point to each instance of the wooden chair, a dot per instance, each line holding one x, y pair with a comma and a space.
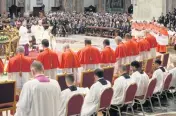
105, 100
8, 96
129, 98
149, 67
108, 73
165, 59
165, 88
74, 105
61, 80
87, 79
149, 93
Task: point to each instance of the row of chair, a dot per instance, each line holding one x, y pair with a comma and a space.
75, 103
87, 77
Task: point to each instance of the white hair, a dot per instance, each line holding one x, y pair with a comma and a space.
20, 49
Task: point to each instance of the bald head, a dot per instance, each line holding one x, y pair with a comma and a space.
37, 68
118, 39
127, 36
20, 49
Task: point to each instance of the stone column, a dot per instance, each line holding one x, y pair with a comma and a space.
99, 5
2, 6
147, 9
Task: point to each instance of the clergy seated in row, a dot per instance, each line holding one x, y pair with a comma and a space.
89, 56
1, 66
172, 70
92, 98
107, 55
152, 42
140, 78
40, 96
120, 53
68, 93
69, 62
132, 48
160, 74
49, 59
19, 68
119, 87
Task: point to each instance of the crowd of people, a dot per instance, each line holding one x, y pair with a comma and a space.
76, 23
43, 87
42, 95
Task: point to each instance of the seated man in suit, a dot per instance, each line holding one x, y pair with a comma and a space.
91, 100
68, 93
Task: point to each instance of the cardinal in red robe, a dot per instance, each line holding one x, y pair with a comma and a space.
19, 68
162, 48
49, 59
107, 55
89, 56
132, 48
153, 44
120, 54
69, 62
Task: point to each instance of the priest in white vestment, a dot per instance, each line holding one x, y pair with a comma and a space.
140, 78
160, 74
70, 92
40, 96
120, 86
92, 99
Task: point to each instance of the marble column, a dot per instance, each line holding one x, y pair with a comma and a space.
2, 6
99, 5
147, 9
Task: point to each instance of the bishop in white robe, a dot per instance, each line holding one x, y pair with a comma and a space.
40, 96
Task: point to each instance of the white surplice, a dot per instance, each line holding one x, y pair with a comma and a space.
118, 63
91, 100
39, 34
142, 81
66, 95
51, 73
173, 72
39, 99
24, 36
152, 53
33, 29
160, 76
20, 80
119, 87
